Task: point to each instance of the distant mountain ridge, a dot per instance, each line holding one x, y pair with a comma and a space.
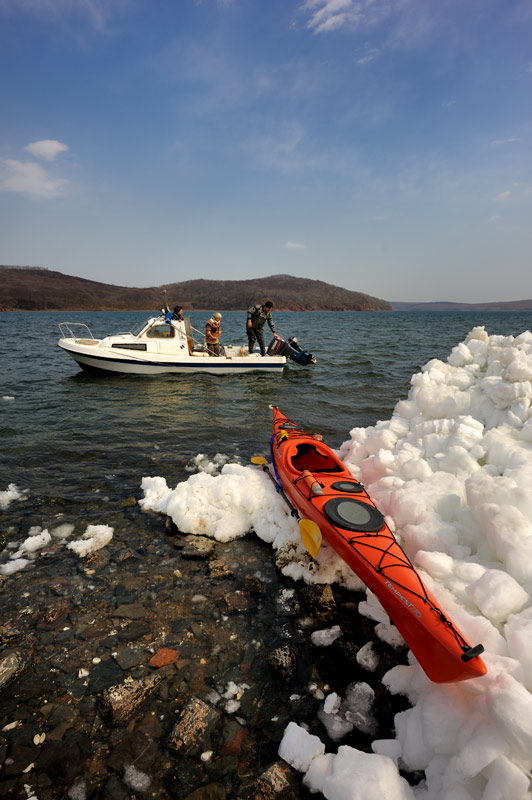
510, 305
40, 289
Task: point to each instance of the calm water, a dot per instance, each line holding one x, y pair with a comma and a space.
68, 435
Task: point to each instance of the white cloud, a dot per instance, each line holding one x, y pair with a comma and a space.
28, 177
294, 246
328, 15
99, 13
46, 148
370, 56
502, 197
506, 141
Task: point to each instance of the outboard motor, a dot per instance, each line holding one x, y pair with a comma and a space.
290, 349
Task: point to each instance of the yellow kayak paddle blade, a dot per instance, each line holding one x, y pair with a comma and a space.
311, 536
259, 460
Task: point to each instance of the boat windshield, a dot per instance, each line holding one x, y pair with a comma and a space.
138, 328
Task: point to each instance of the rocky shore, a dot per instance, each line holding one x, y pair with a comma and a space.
168, 666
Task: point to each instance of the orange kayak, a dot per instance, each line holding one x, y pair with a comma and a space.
322, 490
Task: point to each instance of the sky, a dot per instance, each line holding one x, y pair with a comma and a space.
380, 145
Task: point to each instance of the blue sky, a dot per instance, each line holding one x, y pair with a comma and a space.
383, 145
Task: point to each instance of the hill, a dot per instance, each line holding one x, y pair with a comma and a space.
40, 289
510, 305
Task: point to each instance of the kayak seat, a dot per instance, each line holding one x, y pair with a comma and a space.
309, 457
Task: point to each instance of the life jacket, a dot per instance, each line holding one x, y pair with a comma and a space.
212, 330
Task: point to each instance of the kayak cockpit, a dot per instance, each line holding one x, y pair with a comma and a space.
314, 458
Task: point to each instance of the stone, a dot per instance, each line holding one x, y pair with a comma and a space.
283, 662
254, 585
238, 601
130, 611
163, 657
65, 760
198, 547
219, 569
212, 791
121, 702
134, 631
103, 675
128, 657
11, 667
278, 782
196, 720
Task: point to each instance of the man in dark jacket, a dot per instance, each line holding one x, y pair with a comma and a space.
257, 316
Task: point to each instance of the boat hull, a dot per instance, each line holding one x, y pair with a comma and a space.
323, 490
93, 358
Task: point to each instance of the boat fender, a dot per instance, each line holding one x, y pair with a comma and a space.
313, 484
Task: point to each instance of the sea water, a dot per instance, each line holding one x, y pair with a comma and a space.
66, 434
77, 447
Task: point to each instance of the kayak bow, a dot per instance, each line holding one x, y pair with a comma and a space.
323, 490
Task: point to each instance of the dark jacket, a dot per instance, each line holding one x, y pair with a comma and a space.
259, 315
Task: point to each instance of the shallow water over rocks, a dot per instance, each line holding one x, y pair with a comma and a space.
168, 666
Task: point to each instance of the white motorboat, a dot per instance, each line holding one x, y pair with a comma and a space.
165, 347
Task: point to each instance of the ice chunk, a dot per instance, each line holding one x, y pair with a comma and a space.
326, 637
364, 776
94, 538
497, 595
298, 747
367, 657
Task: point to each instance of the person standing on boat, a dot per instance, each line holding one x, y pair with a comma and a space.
176, 314
257, 316
213, 331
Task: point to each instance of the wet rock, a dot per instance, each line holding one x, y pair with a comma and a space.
131, 611
124, 555
197, 719
254, 585
277, 783
97, 561
283, 662
114, 789
103, 675
197, 547
128, 502
320, 598
96, 631
124, 595
163, 657
121, 702
135, 631
233, 737
237, 602
11, 667
219, 569
65, 761
185, 777
53, 615
135, 748
128, 657
213, 791
288, 602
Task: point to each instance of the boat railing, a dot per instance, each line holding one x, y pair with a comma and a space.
75, 330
